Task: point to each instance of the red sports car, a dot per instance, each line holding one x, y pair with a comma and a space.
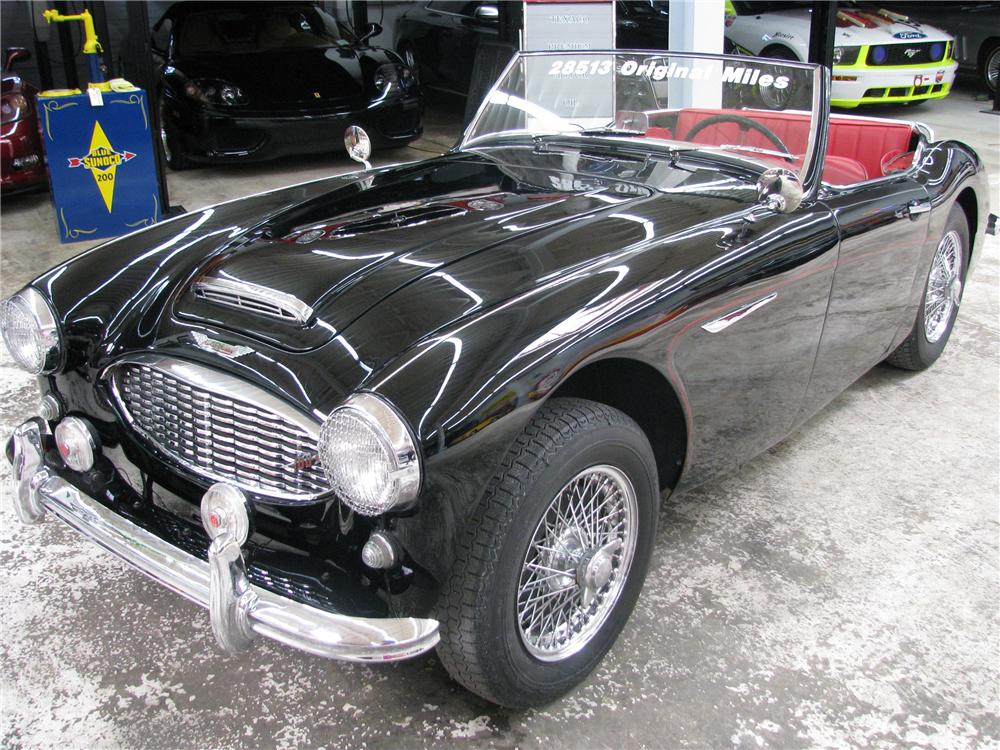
22, 162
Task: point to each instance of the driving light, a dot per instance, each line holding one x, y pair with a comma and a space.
76, 444
369, 455
13, 106
879, 55
937, 51
31, 332
386, 75
845, 55
213, 91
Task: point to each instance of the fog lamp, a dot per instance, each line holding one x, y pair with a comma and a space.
76, 444
879, 55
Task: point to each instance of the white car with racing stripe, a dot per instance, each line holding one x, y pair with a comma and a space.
879, 56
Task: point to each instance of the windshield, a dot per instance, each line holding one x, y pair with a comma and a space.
762, 111
256, 29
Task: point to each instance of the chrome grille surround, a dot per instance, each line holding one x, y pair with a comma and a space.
221, 427
253, 298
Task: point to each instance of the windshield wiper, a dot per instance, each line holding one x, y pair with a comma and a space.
612, 131
752, 149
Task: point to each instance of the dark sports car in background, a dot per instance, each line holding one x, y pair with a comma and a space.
438, 40
22, 159
252, 81
438, 404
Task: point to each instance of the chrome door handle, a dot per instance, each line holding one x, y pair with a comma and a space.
915, 208
721, 324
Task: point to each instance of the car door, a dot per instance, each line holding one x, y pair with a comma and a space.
746, 353
883, 228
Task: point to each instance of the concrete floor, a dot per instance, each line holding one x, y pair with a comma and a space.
842, 589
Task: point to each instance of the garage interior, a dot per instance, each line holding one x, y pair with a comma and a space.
840, 590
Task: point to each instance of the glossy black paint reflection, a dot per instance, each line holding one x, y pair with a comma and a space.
469, 288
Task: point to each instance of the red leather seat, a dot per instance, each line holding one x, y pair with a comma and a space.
857, 148
867, 141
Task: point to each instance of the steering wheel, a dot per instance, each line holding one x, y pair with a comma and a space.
745, 124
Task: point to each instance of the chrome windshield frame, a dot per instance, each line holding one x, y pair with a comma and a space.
814, 156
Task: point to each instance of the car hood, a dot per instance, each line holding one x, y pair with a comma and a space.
869, 27
329, 260
854, 27
381, 260
293, 76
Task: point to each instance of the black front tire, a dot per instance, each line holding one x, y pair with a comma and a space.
927, 341
483, 642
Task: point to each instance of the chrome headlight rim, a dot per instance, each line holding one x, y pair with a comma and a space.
393, 432
48, 334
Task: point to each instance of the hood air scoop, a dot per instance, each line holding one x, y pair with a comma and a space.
253, 298
398, 219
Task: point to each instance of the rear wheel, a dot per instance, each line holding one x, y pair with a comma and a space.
942, 296
775, 98
552, 563
991, 67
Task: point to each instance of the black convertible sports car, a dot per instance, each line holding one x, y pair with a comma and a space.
438, 404
252, 81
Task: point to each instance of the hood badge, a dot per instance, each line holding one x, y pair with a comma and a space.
233, 351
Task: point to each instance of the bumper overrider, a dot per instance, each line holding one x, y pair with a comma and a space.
239, 610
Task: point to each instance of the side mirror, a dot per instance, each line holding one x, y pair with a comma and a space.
12, 55
358, 145
374, 29
488, 13
780, 190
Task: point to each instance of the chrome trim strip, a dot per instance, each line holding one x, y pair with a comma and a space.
226, 386
317, 631
721, 324
252, 298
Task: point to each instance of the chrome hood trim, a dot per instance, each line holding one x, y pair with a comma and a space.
253, 298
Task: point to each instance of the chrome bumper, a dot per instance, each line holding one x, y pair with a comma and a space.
238, 609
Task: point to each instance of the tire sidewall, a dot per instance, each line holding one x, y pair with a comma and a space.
616, 445
927, 351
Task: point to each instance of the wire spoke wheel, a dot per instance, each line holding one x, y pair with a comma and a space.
577, 563
944, 287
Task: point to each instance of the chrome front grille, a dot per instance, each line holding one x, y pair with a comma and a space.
222, 428
253, 298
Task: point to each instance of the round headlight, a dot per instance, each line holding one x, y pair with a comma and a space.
369, 455
30, 331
